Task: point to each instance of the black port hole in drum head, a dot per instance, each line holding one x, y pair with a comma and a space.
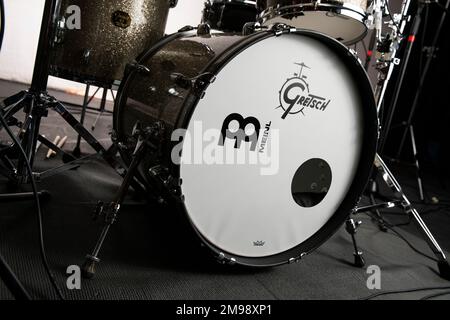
311, 183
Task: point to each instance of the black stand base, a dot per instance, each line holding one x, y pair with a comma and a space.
88, 268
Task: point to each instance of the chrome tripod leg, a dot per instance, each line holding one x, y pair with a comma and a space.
351, 226
390, 180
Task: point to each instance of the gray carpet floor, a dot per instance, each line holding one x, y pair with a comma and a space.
150, 255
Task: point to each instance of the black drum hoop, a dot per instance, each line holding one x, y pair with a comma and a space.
362, 174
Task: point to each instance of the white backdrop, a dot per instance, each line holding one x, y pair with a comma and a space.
23, 20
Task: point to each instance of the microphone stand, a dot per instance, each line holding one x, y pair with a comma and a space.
409, 123
386, 65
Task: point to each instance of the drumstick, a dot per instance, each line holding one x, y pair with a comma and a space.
60, 145
50, 151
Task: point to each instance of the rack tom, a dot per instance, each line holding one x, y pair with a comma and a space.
110, 34
343, 20
229, 15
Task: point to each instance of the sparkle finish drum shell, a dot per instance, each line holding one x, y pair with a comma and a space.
112, 34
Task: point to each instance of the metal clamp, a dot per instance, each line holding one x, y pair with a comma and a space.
166, 181
198, 84
281, 28
109, 211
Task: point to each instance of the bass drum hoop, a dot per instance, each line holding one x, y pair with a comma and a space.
363, 171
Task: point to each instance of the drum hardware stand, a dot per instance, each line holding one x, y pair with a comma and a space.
36, 102
87, 100
398, 86
411, 39
385, 69
388, 48
351, 226
405, 204
386, 63
408, 125
103, 105
111, 210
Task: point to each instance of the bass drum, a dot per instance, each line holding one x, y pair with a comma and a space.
268, 141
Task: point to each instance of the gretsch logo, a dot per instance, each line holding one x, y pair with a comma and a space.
296, 97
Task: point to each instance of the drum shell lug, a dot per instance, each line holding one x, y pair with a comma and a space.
136, 67
201, 83
198, 84
203, 29
223, 259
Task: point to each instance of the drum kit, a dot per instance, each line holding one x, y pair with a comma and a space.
282, 67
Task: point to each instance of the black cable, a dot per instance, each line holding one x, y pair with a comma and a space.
398, 234
391, 227
2, 22
38, 206
422, 41
435, 295
385, 293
